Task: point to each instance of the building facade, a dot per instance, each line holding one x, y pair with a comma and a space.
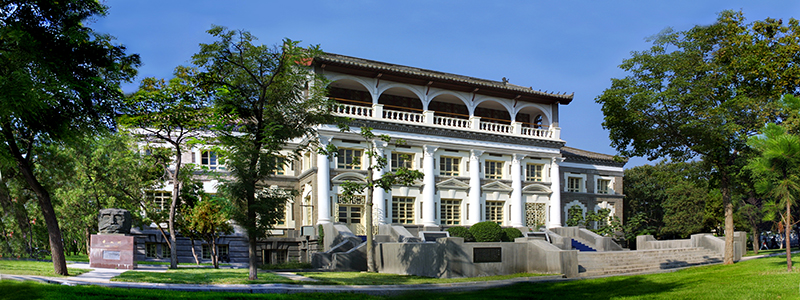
489, 151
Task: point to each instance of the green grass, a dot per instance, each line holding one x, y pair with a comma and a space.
166, 263
770, 251
292, 265
200, 276
12, 290
38, 268
358, 278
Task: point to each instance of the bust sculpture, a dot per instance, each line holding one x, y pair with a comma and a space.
114, 220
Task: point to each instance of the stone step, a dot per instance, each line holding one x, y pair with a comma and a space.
605, 263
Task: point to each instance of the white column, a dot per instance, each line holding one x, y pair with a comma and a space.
555, 197
379, 195
429, 187
323, 184
474, 212
517, 207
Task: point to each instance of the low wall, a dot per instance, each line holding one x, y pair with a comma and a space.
451, 257
596, 241
701, 240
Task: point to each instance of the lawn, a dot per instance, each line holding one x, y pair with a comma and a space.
38, 268
358, 278
755, 279
200, 276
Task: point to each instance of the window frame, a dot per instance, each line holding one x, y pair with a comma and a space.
342, 154
449, 166
494, 211
493, 165
407, 205
406, 159
538, 172
451, 207
211, 160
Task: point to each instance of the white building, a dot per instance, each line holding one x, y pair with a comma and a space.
489, 150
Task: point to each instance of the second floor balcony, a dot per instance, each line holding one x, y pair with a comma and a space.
445, 119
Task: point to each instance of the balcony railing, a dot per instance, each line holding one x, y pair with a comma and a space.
380, 112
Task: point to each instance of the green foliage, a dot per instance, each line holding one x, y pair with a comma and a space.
509, 234
486, 231
59, 80
263, 98
702, 93
777, 171
462, 232
575, 216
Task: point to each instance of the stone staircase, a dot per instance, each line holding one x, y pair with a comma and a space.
642, 261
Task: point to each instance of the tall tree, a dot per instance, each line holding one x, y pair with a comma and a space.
778, 172
376, 162
173, 113
702, 93
58, 79
267, 97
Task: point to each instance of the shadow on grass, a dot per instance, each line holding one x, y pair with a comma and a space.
580, 289
12, 290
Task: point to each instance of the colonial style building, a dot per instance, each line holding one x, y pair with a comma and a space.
489, 151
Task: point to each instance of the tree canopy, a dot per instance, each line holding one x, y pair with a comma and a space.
58, 79
701, 93
265, 97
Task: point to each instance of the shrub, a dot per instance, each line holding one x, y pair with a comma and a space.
486, 231
461, 232
509, 234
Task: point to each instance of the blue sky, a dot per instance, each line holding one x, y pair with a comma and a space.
557, 46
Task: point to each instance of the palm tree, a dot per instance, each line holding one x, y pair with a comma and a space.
777, 172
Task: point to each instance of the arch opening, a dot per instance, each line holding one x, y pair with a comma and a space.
532, 117
348, 91
449, 106
492, 111
401, 99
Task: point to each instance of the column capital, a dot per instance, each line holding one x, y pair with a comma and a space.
324, 139
475, 153
429, 150
517, 158
558, 160
380, 144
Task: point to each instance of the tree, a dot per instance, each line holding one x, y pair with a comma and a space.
702, 93
209, 218
778, 173
173, 113
376, 162
266, 97
59, 79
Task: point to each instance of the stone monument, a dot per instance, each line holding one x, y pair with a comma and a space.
112, 247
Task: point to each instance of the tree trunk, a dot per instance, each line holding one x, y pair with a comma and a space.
194, 253
727, 205
368, 216
756, 240
788, 229
214, 258
88, 233
45, 204
176, 189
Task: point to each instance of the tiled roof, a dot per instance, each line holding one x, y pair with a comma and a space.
577, 155
436, 75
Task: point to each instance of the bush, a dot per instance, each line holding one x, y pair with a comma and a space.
509, 234
461, 232
486, 231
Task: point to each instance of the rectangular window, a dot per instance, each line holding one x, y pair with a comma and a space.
533, 172
450, 212
350, 214
448, 166
493, 169
165, 251
160, 199
206, 251
223, 251
574, 184
151, 250
349, 159
402, 160
211, 160
494, 211
280, 166
403, 210
603, 186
